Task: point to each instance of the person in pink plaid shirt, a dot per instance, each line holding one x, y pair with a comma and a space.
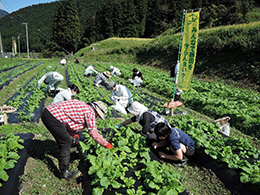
64, 119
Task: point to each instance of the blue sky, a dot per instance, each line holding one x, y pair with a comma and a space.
14, 5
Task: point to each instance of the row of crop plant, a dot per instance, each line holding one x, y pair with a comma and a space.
238, 153
212, 99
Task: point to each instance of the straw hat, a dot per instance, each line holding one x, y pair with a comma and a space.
107, 73
100, 108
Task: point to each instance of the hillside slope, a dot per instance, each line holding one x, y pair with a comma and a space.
230, 52
39, 18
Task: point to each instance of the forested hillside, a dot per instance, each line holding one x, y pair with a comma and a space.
132, 18
101, 19
40, 18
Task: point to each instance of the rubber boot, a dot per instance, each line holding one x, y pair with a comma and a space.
64, 165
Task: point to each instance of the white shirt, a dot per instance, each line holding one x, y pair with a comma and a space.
62, 96
63, 61
115, 71
90, 70
121, 93
50, 78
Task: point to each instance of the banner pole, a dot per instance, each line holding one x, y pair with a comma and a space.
179, 52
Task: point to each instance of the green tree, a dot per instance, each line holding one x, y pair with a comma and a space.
90, 32
153, 22
117, 18
105, 21
130, 21
141, 14
66, 26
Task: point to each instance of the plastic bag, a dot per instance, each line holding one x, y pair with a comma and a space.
224, 125
225, 129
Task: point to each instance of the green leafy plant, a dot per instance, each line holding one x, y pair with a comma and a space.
9, 145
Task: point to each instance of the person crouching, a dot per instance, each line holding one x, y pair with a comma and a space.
179, 142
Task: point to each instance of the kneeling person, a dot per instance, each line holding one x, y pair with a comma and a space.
121, 96
101, 78
180, 143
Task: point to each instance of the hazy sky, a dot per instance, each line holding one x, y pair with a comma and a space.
14, 5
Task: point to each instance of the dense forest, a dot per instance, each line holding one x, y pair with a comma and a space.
100, 19
40, 19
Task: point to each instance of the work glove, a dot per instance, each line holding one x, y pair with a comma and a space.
109, 146
75, 140
118, 126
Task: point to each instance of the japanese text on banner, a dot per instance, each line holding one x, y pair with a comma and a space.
188, 50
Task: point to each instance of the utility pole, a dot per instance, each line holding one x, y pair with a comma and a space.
19, 45
1, 47
27, 39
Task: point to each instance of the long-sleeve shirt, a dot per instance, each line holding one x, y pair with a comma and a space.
145, 121
62, 96
90, 70
100, 76
121, 93
51, 78
115, 71
148, 121
138, 74
77, 115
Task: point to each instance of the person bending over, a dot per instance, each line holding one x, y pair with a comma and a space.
66, 94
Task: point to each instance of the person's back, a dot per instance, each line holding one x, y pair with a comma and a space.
178, 136
66, 94
63, 61
62, 96
45, 78
90, 70
98, 77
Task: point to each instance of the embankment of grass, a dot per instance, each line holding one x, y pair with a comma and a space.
229, 52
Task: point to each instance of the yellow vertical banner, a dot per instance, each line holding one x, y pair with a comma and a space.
14, 46
188, 50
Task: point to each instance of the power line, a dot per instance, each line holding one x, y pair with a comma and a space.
7, 5
34, 31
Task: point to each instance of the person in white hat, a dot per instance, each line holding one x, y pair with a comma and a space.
121, 96
90, 71
65, 119
52, 79
102, 78
148, 119
115, 71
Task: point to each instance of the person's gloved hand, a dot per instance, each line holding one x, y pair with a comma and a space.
76, 139
109, 146
118, 126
